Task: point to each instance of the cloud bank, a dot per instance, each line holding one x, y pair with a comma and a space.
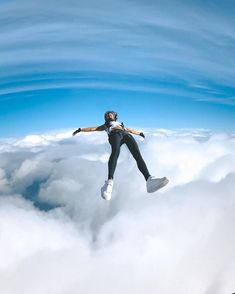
58, 236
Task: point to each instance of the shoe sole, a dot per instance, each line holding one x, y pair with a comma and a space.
163, 184
102, 195
108, 199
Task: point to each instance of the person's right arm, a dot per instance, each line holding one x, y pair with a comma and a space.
90, 129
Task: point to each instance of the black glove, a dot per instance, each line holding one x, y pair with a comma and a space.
142, 135
77, 131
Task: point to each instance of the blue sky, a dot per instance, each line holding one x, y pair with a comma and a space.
160, 64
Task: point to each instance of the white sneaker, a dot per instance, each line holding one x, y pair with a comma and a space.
106, 190
153, 184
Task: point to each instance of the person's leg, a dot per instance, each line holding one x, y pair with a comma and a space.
115, 140
134, 149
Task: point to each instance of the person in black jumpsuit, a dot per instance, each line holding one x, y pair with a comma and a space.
117, 136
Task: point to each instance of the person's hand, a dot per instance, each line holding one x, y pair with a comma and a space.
142, 135
77, 131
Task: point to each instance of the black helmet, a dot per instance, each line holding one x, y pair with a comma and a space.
113, 112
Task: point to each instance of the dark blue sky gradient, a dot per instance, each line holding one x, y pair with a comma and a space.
159, 64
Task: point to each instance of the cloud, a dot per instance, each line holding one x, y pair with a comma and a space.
135, 243
182, 40
225, 101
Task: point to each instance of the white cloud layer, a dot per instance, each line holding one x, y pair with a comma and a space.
178, 240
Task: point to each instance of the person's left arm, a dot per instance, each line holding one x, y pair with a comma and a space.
135, 132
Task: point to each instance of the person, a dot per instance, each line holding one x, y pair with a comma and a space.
118, 135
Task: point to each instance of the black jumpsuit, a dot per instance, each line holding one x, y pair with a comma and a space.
116, 139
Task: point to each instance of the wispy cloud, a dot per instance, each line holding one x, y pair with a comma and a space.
180, 39
225, 101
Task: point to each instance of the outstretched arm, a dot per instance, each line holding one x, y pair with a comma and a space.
90, 129
135, 132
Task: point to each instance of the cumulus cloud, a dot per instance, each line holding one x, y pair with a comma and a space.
57, 235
